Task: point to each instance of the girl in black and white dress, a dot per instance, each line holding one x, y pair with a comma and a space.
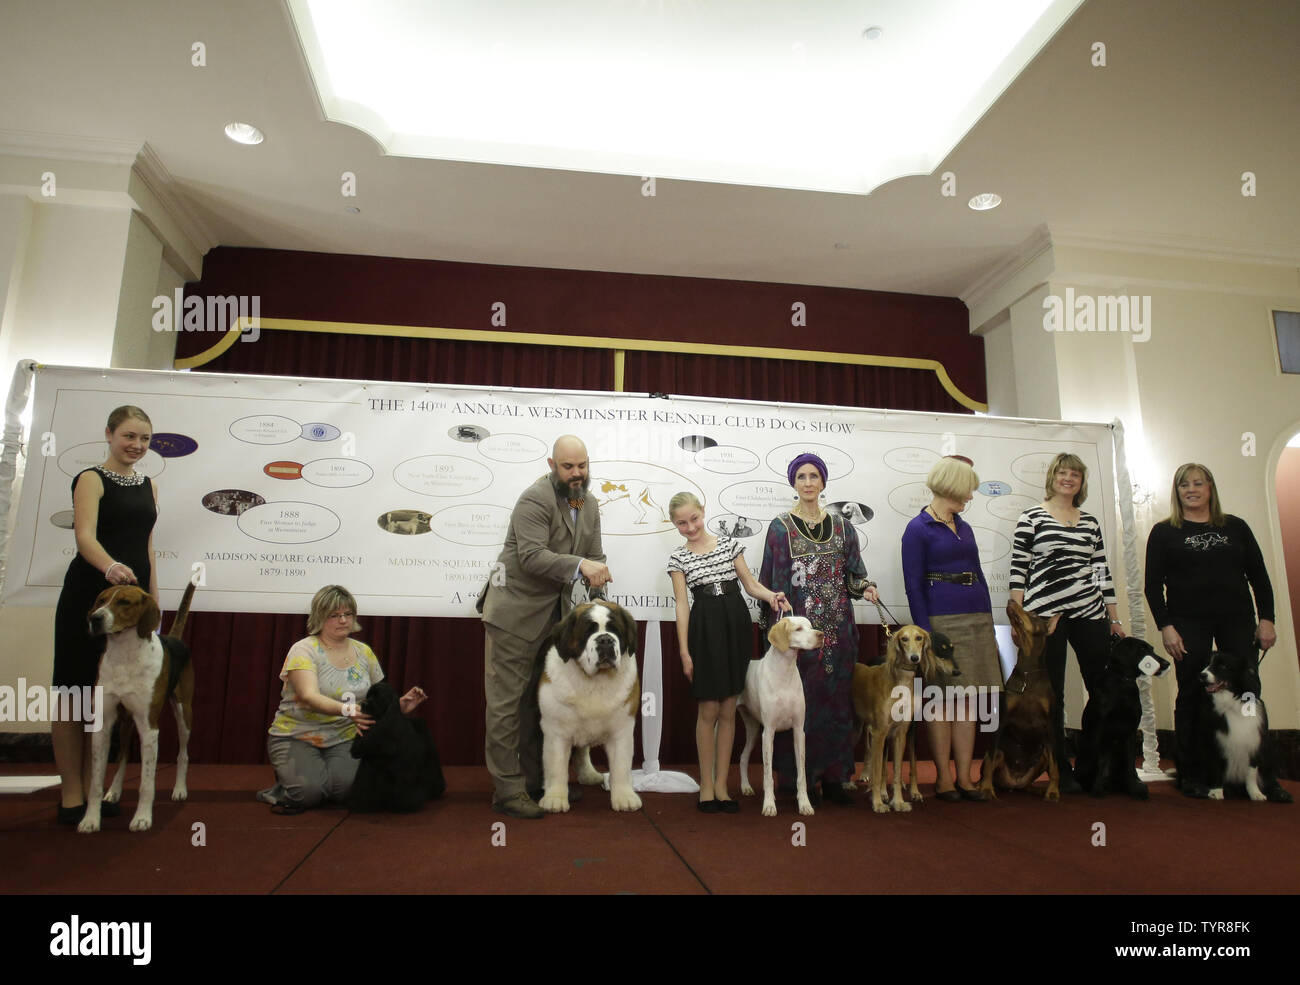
1058, 564
715, 637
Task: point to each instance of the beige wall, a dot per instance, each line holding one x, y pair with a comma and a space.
1196, 390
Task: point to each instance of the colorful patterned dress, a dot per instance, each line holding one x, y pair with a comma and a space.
812, 573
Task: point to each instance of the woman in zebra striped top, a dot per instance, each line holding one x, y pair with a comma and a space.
1058, 564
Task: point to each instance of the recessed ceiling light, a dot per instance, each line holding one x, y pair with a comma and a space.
985, 201
353, 209
244, 133
873, 33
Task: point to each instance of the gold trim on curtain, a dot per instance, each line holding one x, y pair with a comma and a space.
583, 342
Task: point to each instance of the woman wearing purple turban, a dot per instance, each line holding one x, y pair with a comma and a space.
813, 557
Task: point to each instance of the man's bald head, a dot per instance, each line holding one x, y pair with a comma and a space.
570, 473
568, 446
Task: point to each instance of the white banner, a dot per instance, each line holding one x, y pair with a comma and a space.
270, 487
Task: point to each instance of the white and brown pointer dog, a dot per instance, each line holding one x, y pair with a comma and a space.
589, 695
141, 671
773, 695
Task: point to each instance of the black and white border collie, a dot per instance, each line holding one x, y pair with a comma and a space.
1240, 721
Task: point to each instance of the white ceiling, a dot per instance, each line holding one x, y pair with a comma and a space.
1148, 151
703, 92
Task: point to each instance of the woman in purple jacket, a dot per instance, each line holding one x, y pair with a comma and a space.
947, 593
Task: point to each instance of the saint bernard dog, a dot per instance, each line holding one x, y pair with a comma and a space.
589, 695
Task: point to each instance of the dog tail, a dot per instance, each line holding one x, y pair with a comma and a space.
182, 612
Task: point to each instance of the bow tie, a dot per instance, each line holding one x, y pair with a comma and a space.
576, 504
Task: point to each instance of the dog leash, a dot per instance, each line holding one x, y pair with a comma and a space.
883, 611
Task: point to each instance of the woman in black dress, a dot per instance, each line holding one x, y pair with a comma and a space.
114, 508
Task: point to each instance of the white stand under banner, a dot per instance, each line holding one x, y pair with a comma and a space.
270, 487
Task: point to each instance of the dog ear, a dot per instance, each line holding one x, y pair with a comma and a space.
625, 627
927, 650
779, 635
150, 617
568, 635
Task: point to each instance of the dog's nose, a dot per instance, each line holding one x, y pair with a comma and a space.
605, 652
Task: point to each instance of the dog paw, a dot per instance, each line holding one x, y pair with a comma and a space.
769, 808
850, 786
880, 807
180, 792
901, 806
916, 797
1256, 795
1216, 793
1052, 796
555, 803
747, 790
114, 795
589, 776
88, 826
142, 821
624, 800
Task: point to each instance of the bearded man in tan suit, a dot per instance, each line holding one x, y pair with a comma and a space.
554, 539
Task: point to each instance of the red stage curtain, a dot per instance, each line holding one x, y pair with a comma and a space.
238, 656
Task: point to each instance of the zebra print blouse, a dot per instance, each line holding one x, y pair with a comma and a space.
1061, 568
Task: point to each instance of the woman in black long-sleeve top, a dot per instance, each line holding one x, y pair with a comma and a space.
1202, 566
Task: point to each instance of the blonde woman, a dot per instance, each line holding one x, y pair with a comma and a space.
715, 637
947, 593
1202, 566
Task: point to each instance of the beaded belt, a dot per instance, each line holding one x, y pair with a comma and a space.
712, 588
955, 577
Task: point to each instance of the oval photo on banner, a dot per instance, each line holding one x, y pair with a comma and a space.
696, 442
320, 432
856, 513
407, 522
469, 432
231, 502
173, 445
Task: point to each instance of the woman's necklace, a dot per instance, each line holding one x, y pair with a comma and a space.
812, 530
130, 479
950, 523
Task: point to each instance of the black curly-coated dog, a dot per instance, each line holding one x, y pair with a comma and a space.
1108, 741
399, 768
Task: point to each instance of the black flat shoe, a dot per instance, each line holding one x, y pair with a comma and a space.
948, 796
728, 806
71, 815
970, 793
709, 807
